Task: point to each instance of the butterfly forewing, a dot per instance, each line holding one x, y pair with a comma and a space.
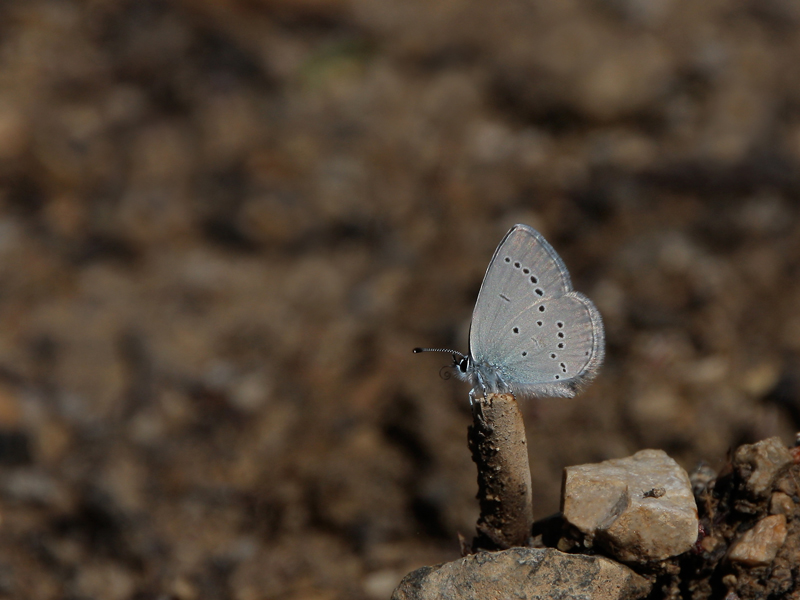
523, 271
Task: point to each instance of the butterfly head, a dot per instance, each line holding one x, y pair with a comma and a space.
463, 363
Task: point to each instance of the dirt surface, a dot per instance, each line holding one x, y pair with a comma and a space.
224, 224
728, 509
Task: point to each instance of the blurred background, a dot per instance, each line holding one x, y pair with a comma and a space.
224, 224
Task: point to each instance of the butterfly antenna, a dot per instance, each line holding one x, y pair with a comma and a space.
453, 352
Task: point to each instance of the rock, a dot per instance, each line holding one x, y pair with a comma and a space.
760, 464
781, 504
759, 546
524, 573
639, 508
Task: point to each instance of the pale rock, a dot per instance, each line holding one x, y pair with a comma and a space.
761, 463
781, 504
524, 573
759, 546
639, 508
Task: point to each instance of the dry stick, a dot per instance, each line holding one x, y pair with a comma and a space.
499, 448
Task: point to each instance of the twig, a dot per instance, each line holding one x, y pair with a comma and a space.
500, 450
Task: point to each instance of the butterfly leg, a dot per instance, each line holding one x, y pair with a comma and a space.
482, 384
503, 385
477, 408
477, 403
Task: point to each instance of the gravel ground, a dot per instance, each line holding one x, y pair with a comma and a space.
225, 223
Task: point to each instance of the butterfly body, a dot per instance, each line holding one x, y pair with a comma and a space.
482, 376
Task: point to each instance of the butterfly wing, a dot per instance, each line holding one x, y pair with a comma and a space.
541, 336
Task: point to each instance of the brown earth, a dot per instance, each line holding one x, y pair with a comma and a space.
225, 223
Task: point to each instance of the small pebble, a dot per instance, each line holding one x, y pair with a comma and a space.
759, 546
709, 544
781, 504
761, 463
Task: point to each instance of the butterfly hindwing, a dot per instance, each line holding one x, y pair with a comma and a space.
554, 350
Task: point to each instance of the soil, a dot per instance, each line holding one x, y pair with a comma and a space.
727, 510
224, 224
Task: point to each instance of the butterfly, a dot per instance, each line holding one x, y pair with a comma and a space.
531, 335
